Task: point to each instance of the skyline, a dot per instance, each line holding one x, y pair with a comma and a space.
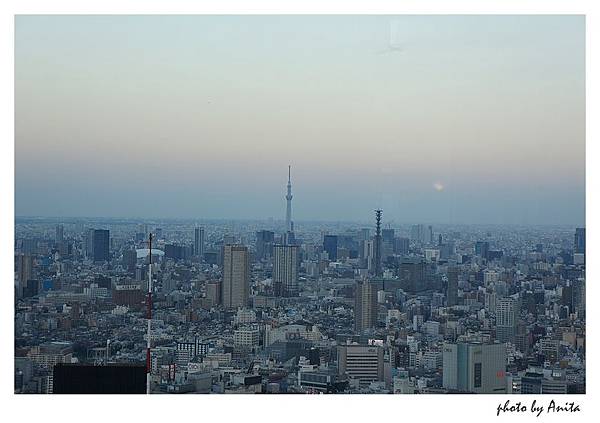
171, 111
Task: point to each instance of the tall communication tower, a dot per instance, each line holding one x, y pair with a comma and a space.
288, 199
149, 315
377, 246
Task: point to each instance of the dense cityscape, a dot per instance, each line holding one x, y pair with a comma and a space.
278, 306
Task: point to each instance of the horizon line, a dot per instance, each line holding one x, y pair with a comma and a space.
282, 221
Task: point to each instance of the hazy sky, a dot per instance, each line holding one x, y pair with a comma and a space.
449, 119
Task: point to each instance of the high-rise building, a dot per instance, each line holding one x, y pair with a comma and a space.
199, 242
264, 244
367, 254
330, 245
419, 234
173, 251
482, 249
130, 259
506, 319
412, 274
60, 231
236, 276
387, 235
24, 271
361, 362
285, 270
213, 292
101, 245
365, 306
579, 247
531, 382
89, 243
24, 268
452, 291
401, 245
474, 367
364, 234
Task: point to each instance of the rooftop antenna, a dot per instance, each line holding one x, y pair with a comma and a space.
149, 314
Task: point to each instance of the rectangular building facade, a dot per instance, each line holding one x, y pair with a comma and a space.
475, 368
285, 270
361, 362
236, 276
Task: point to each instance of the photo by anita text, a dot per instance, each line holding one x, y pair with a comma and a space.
538, 409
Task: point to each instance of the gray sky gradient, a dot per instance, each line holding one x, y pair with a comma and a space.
199, 116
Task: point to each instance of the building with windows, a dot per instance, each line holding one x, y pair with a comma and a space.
478, 368
285, 270
506, 319
330, 245
236, 276
198, 242
365, 306
101, 241
363, 363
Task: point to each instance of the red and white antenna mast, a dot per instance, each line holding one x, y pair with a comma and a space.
149, 316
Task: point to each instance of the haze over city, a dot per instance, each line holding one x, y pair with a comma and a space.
445, 119
300, 205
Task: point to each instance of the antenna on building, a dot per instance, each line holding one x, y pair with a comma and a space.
149, 314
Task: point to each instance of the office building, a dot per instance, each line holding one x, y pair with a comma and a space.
236, 276
199, 242
129, 294
101, 242
24, 271
387, 235
365, 306
412, 273
506, 319
401, 245
246, 338
285, 270
264, 244
531, 382
60, 234
88, 239
213, 292
579, 247
361, 362
417, 234
130, 260
474, 367
330, 245
452, 290
482, 249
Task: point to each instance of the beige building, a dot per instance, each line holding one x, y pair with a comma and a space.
285, 270
365, 306
361, 362
236, 276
